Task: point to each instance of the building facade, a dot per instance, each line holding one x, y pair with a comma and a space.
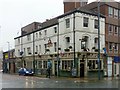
70, 40
111, 10
9, 61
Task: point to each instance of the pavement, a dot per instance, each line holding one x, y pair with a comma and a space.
83, 79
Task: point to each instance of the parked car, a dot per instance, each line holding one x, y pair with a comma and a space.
25, 71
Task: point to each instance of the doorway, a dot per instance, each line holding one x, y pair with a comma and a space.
82, 70
55, 68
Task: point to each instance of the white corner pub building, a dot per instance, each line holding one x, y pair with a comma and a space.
68, 41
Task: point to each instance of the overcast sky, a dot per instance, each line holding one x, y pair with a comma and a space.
15, 14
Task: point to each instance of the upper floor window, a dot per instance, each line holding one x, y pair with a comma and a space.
18, 52
24, 51
40, 34
18, 40
110, 11
110, 46
67, 39
115, 30
36, 49
110, 28
85, 22
29, 50
39, 26
45, 32
28, 37
115, 13
45, 45
96, 24
39, 48
115, 46
55, 29
36, 35
67, 23
119, 31
119, 14
55, 46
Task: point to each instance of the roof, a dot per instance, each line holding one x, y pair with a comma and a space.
12, 50
54, 21
44, 25
81, 10
93, 5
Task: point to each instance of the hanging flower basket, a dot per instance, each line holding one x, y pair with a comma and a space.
47, 50
35, 52
39, 55
70, 47
79, 54
67, 50
29, 53
55, 55
96, 50
59, 48
51, 55
93, 47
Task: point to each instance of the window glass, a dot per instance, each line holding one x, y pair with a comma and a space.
28, 37
115, 13
110, 11
115, 30
55, 29
96, 24
67, 23
85, 22
40, 64
110, 46
110, 27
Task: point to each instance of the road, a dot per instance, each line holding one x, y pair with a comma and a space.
16, 81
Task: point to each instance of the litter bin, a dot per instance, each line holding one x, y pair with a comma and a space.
74, 72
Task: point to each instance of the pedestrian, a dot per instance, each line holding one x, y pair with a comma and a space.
48, 73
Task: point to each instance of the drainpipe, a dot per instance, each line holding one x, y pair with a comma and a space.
99, 40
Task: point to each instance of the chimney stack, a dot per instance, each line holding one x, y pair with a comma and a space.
73, 4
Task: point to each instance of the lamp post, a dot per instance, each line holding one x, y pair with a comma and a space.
99, 40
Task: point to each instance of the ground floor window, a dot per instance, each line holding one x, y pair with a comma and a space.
18, 64
67, 64
93, 64
44, 64
39, 64
29, 64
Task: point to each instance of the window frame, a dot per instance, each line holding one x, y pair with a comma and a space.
115, 13
85, 21
29, 37
110, 11
67, 22
110, 29
96, 24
